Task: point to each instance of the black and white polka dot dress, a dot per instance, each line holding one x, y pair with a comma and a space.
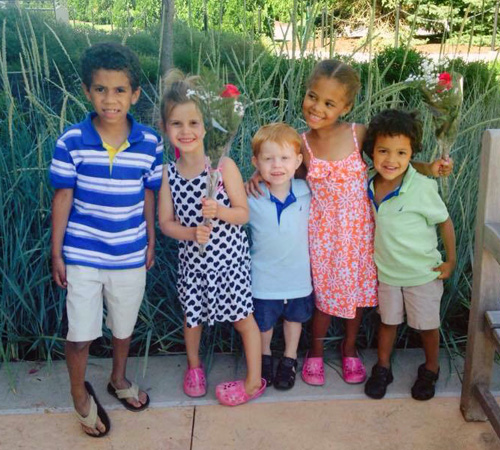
215, 287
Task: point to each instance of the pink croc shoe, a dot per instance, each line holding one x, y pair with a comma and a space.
353, 369
233, 393
195, 382
313, 371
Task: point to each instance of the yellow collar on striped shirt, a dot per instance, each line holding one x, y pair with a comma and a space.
112, 152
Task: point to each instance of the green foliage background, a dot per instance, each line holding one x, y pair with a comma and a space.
242, 15
40, 96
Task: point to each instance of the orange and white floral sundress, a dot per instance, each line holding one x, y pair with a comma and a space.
341, 231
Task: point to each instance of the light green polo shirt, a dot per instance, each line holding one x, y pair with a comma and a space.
405, 231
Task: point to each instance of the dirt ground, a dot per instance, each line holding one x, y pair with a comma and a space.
351, 45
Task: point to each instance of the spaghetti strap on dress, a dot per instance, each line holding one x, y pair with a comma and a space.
341, 231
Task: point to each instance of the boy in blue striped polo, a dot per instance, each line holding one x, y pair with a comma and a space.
281, 274
104, 170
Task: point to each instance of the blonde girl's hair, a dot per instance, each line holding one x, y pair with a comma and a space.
343, 73
176, 89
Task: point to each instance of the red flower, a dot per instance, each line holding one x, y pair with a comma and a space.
230, 90
445, 80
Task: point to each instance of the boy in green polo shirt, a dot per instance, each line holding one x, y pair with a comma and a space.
407, 208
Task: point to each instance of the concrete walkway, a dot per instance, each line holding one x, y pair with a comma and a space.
35, 411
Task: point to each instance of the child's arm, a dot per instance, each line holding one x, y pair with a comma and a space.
252, 185
437, 168
448, 237
237, 213
149, 215
172, 227
61, 207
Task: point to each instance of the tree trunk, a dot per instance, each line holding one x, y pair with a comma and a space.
167, 33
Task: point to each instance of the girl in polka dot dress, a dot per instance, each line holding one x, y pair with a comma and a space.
214, 285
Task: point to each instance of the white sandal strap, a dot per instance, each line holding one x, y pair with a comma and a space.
90, 420
131, 392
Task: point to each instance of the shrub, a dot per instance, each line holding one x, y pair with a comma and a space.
398, 63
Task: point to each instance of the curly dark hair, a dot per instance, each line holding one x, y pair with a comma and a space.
394, 122
110, 56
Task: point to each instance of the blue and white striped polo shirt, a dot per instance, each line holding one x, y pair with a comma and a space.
106, 227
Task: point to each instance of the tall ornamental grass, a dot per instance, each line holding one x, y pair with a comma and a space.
38, 101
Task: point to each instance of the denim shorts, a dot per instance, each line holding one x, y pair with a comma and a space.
267, 312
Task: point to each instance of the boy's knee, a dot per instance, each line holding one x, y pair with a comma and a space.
77, 346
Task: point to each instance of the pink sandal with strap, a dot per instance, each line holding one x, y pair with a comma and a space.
195, 382
233, 393
353, 369
313, 371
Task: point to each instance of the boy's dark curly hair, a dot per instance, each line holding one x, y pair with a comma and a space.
394, 122
110, 56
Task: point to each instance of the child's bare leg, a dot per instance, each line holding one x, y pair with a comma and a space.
121, 349
192, 338
265, 339
292, 331
386, 338
250, 334
76, 359
430, 342
320, 323
351, 333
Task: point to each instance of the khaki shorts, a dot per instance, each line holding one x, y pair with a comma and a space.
87, 286
421, 304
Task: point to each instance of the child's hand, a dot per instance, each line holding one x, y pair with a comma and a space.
203, 233
209, 208
252, 185
150, 256
446, 270
59, 272
441, 167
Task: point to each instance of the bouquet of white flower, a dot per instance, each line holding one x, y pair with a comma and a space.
222, 112
443, 94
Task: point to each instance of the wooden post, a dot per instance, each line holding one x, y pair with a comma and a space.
486, 281
495, 24
396, 27
205, 17
167, 36
332, 36
323, 24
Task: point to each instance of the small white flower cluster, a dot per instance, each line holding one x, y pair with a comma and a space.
429, 74
208, 97
239, 108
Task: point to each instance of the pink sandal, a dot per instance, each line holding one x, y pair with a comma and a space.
353, 369
313, 371
233, 393
195, 382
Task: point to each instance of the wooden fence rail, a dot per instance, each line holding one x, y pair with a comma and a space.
477, 403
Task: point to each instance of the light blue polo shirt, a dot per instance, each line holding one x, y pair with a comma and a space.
280, 250
406, 245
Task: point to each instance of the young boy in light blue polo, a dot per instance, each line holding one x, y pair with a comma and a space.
104, 170
411, 270
281, 278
